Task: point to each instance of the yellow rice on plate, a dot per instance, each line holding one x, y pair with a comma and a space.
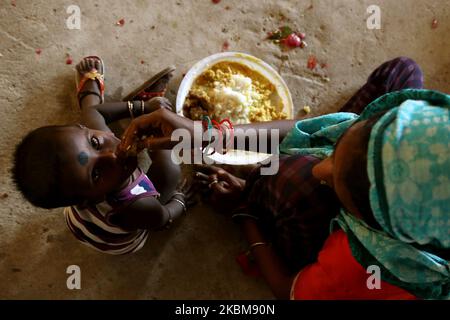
230, 90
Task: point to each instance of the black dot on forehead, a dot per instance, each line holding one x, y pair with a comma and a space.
83, 158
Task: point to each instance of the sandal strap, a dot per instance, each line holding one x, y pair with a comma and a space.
86, 93
91, 75
145, 96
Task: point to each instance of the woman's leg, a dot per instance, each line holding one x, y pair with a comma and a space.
397, 74
294, 209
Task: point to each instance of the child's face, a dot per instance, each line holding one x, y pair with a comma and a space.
92, 169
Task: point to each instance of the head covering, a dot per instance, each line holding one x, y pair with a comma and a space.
408, 165
317, 136
409, 171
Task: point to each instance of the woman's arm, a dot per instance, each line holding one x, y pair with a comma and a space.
161, 124
272, 268
230, 191
241, 132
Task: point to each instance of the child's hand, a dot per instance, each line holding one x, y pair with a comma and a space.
226, 189
154, 130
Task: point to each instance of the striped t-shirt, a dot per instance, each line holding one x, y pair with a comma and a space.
92, 224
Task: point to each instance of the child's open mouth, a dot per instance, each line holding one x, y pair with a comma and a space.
127, 163
124, 152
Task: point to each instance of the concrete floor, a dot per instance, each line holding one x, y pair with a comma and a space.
194, 260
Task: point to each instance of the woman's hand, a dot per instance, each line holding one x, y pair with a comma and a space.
154, 130
226, 189
157, 103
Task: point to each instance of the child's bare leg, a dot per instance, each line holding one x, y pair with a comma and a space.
164, 174
98, 115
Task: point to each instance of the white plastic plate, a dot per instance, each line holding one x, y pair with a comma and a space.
237, 157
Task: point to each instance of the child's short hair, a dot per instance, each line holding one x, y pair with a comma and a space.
37, 169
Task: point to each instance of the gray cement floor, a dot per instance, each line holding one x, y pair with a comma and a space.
194, 260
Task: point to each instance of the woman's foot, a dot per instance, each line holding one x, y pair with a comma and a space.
90, 85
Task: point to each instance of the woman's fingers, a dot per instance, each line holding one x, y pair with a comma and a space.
129, 137
158, 103
202, 179
201, 176
217, 174
157, 127
212, 181
220, 173
221, 187
146, 125
230, 179
208, 169
159, 143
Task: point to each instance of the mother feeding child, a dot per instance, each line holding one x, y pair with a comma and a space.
361, 190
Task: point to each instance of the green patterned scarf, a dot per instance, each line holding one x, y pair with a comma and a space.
408, 168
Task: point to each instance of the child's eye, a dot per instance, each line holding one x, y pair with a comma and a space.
95, 174
95, 143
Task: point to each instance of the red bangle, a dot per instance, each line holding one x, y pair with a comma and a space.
231, 131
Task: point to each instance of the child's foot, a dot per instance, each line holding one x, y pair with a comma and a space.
156, 86
90, 81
